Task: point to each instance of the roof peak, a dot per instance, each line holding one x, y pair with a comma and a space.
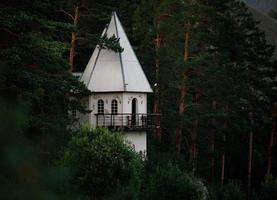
109, 71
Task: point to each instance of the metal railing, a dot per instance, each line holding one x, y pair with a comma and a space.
128, 121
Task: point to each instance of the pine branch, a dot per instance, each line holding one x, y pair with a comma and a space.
68, 14
9, 32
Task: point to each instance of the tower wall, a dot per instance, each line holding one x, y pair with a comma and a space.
141, 101
107, 98
138, 140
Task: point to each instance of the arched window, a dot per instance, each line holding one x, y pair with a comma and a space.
134, 111
134, 106
100, 106
114, 107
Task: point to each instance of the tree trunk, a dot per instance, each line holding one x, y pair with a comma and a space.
222, 157
183, 88
74, 36
250, 154
222, 160
157, 94
193, 149
193, 144
271, 143
212, 143
157, 71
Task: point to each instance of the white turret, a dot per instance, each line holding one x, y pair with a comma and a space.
120, 88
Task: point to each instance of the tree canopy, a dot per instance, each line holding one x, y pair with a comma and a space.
214, 78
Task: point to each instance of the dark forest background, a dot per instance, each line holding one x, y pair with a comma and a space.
214, 71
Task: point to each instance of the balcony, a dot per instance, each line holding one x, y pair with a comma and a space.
128, 121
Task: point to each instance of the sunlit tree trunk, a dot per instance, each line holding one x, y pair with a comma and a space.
183, 87
74, 35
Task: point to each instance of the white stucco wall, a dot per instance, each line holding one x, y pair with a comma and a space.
139, 140
124, 101
107, 98
141, 101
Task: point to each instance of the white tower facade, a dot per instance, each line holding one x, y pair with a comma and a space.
119, 88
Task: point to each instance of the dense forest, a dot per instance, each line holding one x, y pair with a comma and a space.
215, 84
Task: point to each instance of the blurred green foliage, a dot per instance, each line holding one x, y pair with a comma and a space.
269, 189
169, 182
37, 95
232, 190
103, 164
230, 64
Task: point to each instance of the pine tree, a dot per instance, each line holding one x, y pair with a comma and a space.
38, 95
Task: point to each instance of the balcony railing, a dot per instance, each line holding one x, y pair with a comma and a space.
127, 121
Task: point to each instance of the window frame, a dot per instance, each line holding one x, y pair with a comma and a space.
100, 107
114, 107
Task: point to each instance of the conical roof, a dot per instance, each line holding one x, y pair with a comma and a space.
109, 71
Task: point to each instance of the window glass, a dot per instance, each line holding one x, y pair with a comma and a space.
114, 107
100, 106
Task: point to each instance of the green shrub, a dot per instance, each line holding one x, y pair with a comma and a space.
231, 191
101, 162
169, 182
269, 189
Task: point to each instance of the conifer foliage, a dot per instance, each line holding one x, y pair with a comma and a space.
214, 82
218, 62
38, 96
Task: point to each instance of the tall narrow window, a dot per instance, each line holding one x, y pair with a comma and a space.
114, 107
134, 111
100, 106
